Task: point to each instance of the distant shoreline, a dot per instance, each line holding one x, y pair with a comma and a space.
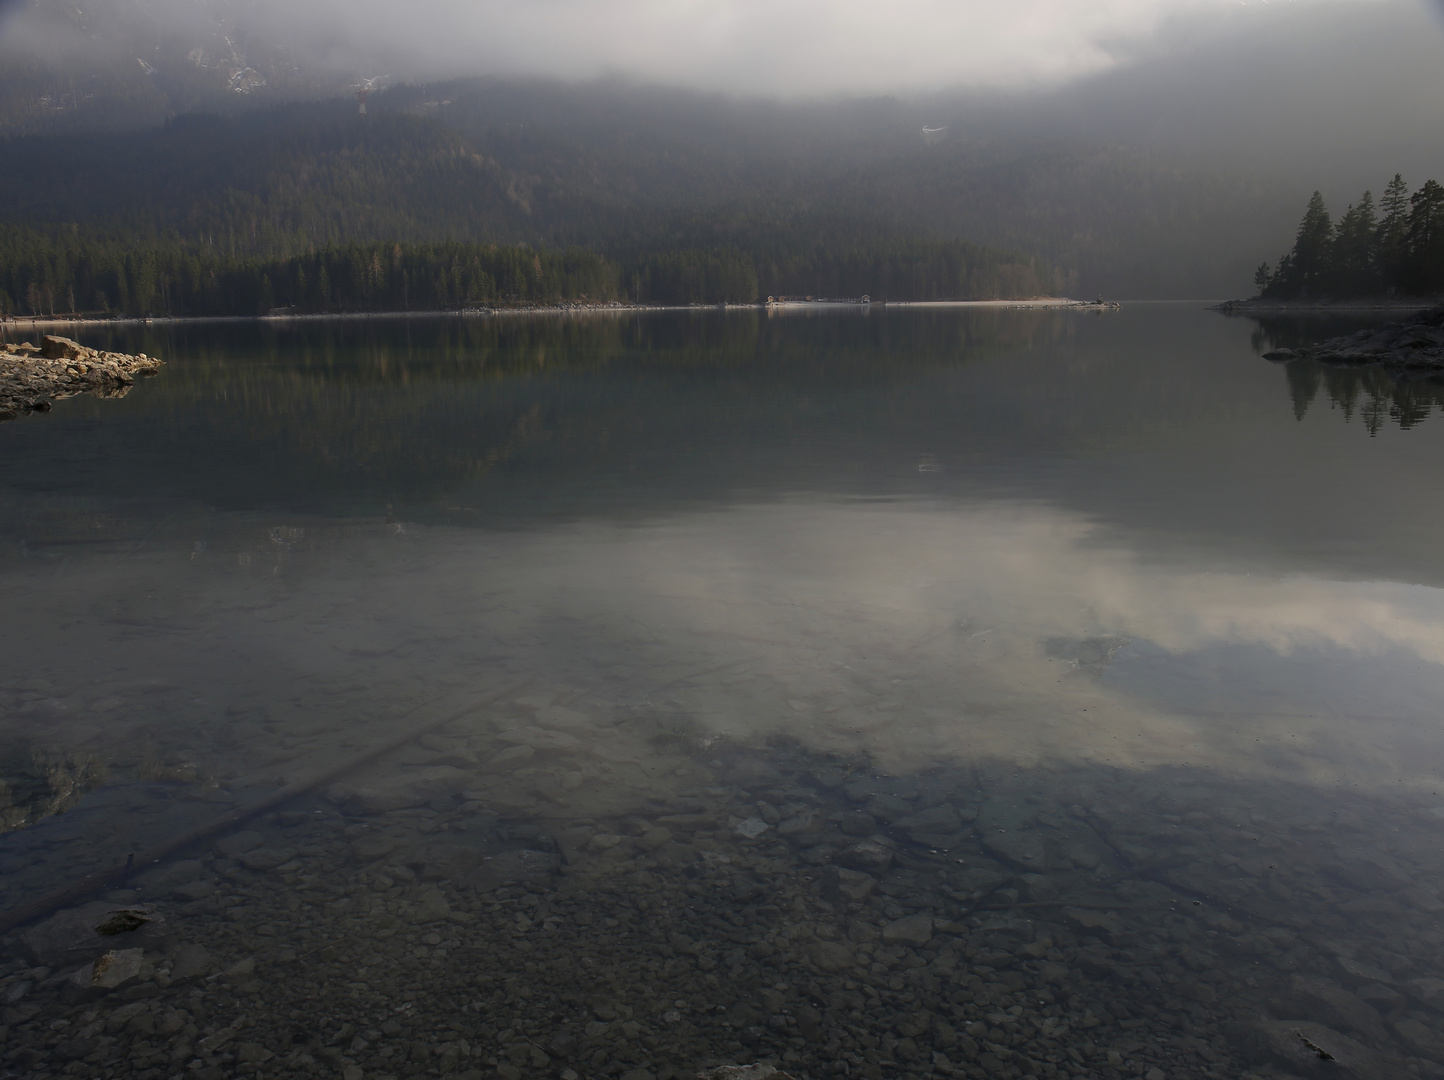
21, 323
1036, 302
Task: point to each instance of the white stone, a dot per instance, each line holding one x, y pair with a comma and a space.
751, 828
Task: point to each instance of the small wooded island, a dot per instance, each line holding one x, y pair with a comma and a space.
1366, 260
32, 376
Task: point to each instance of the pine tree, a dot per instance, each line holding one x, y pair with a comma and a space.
1393, 228
1262, 278
1354, 271
1313, 248
1424, 240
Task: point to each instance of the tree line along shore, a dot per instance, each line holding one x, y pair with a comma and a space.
1394, 249
61, 271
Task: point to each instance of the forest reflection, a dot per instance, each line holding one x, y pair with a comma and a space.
1373, 396
379, 411
1158, 418
384, 349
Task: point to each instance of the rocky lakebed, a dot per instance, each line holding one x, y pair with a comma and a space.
560, 890
34, 376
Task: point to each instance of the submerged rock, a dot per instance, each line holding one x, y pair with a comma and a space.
759, 1071
1310, 1049
910, 930
866, 855
109, 971
191, 962
84, 932
1338, 1006
514, 866
751, 828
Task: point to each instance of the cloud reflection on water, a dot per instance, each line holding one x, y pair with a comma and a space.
905, 632
922, 633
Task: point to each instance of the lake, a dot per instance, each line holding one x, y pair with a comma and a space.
890, 694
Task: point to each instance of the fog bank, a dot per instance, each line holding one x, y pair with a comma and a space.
787, 47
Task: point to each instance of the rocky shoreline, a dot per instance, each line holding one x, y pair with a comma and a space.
1413, 349
1257, 306
34, 376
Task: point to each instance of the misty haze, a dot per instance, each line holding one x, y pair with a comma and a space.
600, 540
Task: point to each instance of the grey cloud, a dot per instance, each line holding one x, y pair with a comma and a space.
762, 46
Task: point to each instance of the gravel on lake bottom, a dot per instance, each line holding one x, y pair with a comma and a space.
453, 914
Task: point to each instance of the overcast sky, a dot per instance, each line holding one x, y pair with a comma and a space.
771, 46
762, 46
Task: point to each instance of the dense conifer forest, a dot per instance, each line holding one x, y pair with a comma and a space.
67, 270
1393, 248
45, 273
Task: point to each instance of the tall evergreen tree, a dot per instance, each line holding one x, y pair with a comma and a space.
1262, 278
1354, 270
1313, 248
1424, 240
1402, 251
1393, 228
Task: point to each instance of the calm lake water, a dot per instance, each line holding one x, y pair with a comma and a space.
912, 693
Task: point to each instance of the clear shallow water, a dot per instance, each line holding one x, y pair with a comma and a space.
980, 693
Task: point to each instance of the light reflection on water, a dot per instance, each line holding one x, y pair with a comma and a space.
985, 694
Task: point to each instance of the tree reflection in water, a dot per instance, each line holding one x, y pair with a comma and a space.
1376, 397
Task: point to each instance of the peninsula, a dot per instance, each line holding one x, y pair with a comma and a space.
1413, 349
33, 376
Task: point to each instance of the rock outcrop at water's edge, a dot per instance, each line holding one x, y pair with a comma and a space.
1413, 349
31, 376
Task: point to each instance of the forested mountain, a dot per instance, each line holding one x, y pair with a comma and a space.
632, 174
1157, 180
212, 196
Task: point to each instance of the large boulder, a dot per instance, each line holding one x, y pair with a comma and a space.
53, 347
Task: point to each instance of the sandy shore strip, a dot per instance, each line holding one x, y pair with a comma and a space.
20, 324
